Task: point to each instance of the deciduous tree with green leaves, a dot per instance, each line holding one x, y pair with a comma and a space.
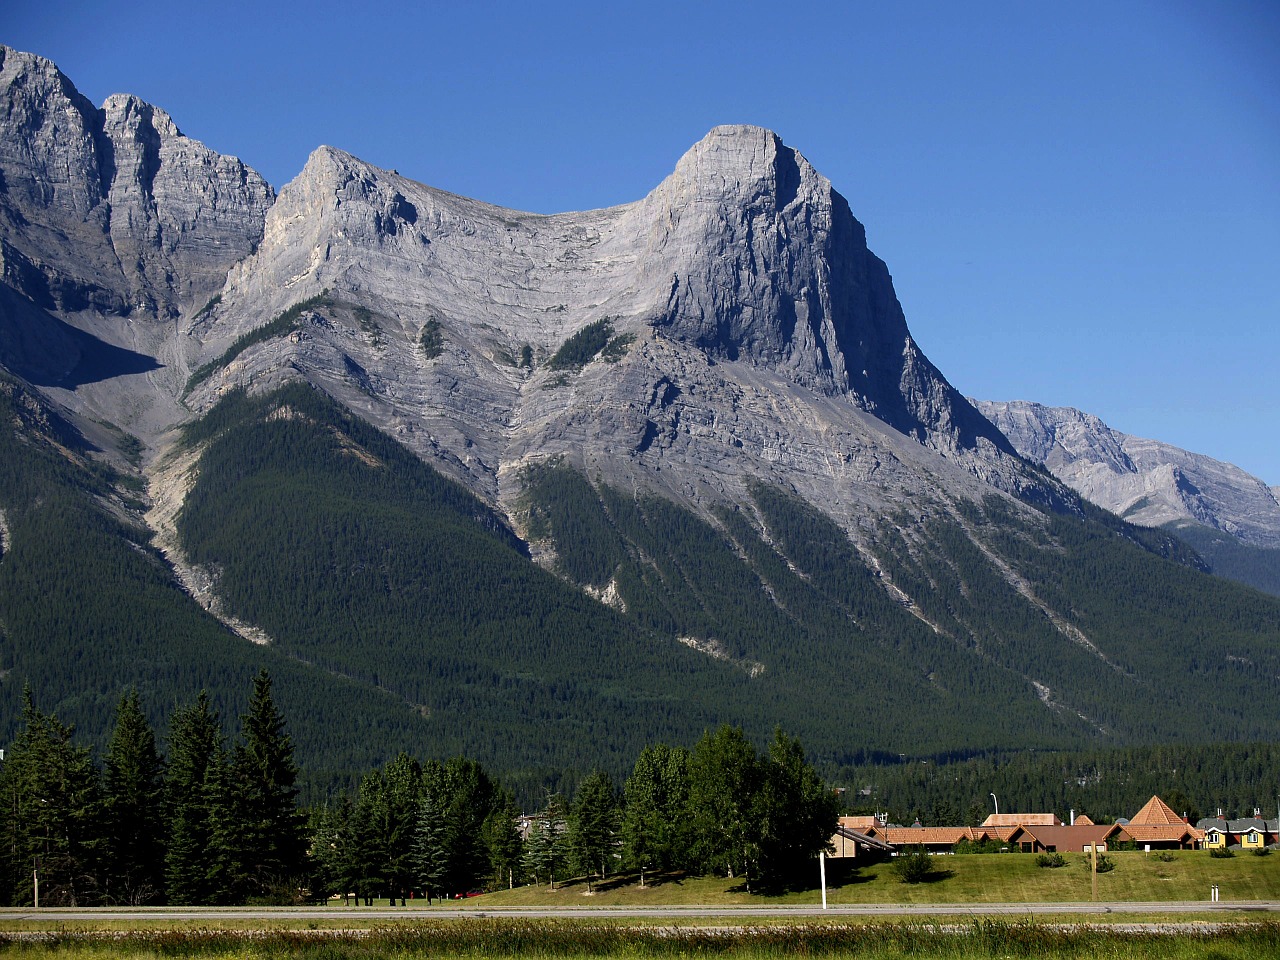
656, 832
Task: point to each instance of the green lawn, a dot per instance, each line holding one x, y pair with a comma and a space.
972, 878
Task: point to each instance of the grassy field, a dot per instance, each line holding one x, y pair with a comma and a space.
961, 879
550, 938
974, 878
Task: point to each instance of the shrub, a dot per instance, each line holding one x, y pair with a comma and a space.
1105, 863
1164, 856
914, 867
1051, 860
1262, 852
1221, 853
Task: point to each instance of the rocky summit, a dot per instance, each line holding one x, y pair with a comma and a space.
1148, 482
543, 487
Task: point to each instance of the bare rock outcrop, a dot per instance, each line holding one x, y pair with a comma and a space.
113, 210
755, 335
1145, 481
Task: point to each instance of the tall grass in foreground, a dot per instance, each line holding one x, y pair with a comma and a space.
552, 938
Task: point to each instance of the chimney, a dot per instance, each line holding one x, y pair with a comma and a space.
1073, 816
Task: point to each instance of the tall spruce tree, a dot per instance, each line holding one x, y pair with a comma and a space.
52, 814
593, 825
502, 838
133, 787
190, 796
334, 850
429, 857
267, 837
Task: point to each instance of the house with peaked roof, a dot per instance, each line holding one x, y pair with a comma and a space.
1246, 833
1158, 827
932, 839
1062, 838
855, 837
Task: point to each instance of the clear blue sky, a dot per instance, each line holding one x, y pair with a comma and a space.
1079, 203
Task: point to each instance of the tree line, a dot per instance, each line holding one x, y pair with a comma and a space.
218, 822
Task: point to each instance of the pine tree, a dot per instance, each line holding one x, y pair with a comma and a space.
554, 844
502, 838
594, 825
334, 851
429, 858
133, 790
51, 790
191, 793
267, 837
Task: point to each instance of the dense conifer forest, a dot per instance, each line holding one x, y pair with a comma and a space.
219, 823
405, 616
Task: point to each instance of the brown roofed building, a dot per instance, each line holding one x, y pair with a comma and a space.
1158, 827
1075, 838
856, 837
1157, 811
933, 839
1021, 820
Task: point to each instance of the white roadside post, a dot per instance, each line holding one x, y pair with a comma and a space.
822, 874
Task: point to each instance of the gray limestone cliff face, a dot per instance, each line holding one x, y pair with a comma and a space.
113, 210
760, 337
1145, 481
761, 260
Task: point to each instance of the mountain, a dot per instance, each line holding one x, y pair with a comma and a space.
547, 488
1229, 516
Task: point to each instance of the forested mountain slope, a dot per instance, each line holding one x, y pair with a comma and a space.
542, 489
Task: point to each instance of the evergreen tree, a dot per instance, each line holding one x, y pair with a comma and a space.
429, 858
52, 814
334, 851
267, 836
546, 850
191, 781
556, 837
502, 838
133, 790
386, 812
593, 826
466, 796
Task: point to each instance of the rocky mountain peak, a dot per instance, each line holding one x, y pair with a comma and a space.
113, 210
743, 165
1145, 481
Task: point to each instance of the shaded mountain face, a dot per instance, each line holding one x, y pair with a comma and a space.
1145, 481
560, 485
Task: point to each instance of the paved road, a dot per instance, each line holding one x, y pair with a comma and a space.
58, 915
